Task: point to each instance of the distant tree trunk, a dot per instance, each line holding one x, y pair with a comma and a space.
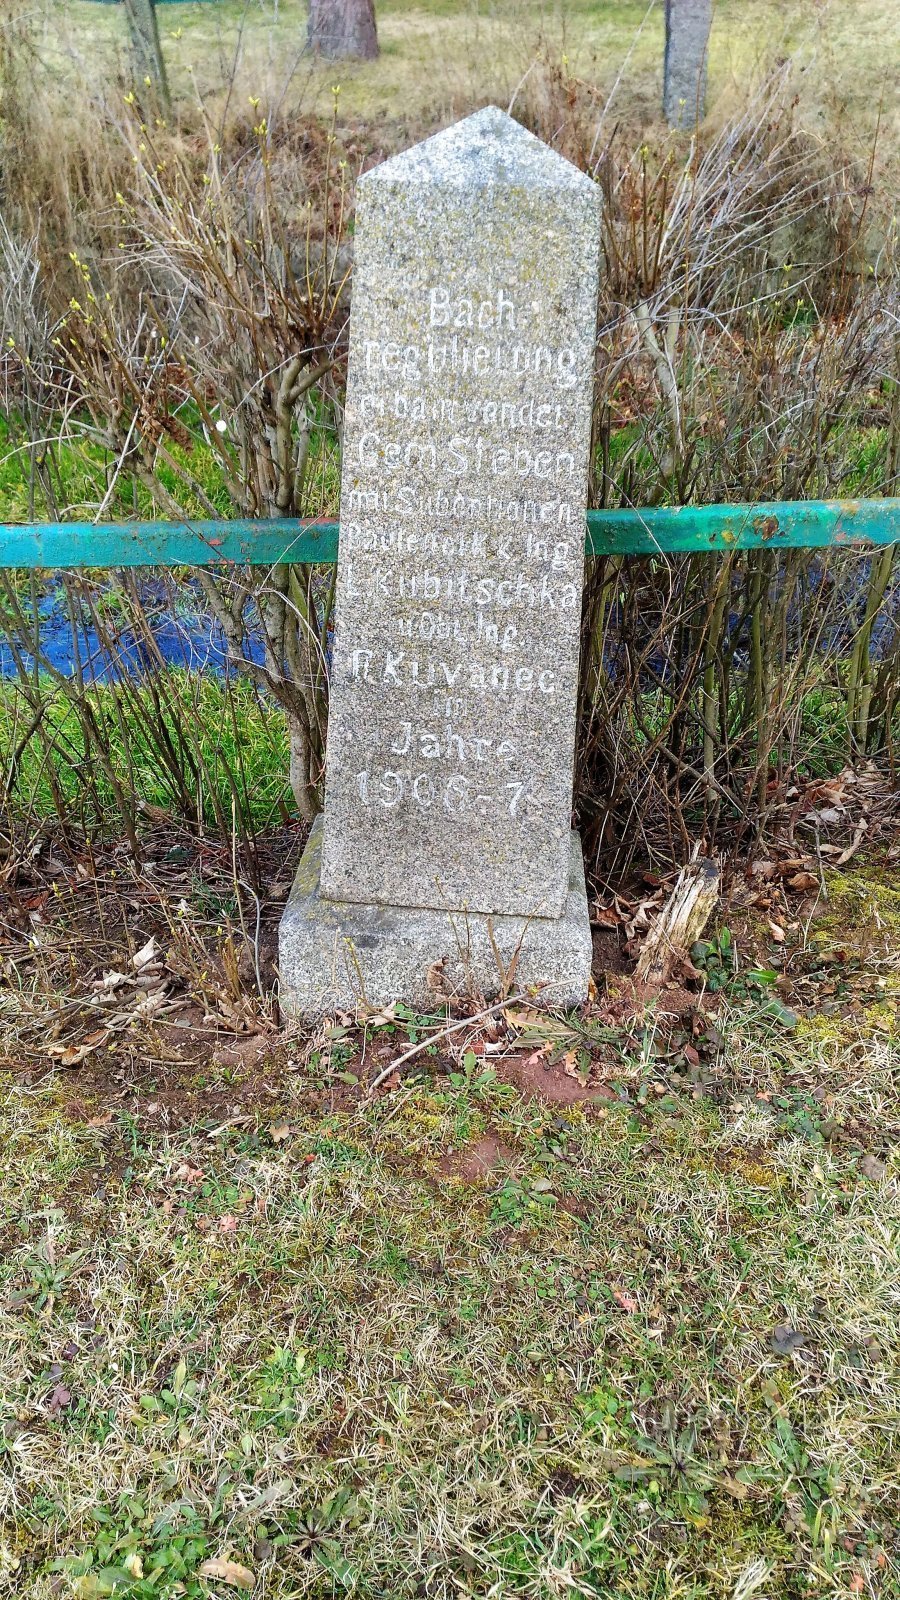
343, 28
687, 46
149, 66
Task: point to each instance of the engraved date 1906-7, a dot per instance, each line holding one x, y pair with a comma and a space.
457, 795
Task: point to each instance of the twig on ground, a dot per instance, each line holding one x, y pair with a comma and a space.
443, 1033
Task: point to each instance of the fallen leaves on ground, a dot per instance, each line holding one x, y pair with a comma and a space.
872, 1168
147, 956
230, 1572
625, 1301
60, 1400
786, 1340
72, 1055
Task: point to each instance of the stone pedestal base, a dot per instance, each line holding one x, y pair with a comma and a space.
334, 954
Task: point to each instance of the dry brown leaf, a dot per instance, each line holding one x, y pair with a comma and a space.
522, 1018
109, 981
803, 881
872, 1168
607, 917
230, 1572
859, 834
777, 932
537, 1027
687, 971
537, 1056
641, 918
436, 976
764, 870
70, 1055
279, 1131
827, 817
382, 1018
186, 1173
143, 957
60, 1399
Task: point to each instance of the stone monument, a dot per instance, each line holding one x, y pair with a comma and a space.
688, 24
445, 857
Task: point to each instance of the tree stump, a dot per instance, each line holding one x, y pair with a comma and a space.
680, 922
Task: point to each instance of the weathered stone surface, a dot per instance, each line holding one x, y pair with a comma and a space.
688, 23
334, 955
465, 458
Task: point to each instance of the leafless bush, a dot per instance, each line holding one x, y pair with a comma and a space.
236, 320
747, 346
209, 312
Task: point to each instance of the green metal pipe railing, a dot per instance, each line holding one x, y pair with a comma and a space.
678, 530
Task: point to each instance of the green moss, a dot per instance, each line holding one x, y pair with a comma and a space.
869, 890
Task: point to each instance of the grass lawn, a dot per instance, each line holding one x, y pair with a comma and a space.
487, 1334
439, 57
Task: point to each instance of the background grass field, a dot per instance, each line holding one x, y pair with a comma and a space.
440, 56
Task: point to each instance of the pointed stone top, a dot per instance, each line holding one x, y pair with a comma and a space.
488, 149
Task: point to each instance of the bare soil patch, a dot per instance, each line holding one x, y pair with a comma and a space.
476, 1162
550, 1081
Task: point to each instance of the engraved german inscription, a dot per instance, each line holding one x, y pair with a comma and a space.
465, 458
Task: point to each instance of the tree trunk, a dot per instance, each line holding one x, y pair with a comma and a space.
146, 51
687, 47
339, 28
302, 784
